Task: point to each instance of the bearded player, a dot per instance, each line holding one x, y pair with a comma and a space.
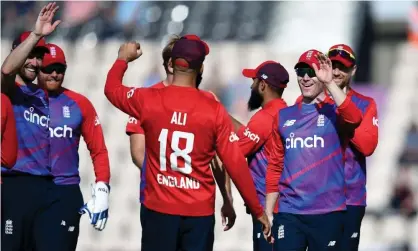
184, 129
362, 144
137, 139
269, 81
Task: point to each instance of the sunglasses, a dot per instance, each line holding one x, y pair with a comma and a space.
343, 53
58, 68
338, 65
301, 72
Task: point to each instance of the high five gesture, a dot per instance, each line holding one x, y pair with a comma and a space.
44, 25
323, 71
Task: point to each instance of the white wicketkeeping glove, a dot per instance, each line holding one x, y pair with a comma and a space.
98, 206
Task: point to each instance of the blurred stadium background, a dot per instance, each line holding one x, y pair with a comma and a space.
242, 34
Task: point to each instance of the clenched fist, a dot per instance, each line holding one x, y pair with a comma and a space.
129, 51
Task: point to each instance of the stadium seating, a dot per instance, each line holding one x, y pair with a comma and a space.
241, 35
87, 72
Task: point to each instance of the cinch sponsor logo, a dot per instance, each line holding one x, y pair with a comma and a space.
307, 142
61, 132
233, 137
57, 132
375, 122
250, 135
35, 118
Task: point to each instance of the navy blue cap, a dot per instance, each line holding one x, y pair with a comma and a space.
189, 53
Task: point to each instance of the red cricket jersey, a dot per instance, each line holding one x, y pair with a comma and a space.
8, 133
183, 130
134, 127
253, 139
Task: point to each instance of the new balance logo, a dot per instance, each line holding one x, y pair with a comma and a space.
280, 234
375, 122
289, 122
331, 243
354, 236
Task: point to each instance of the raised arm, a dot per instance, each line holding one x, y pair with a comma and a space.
127, 99
366, 135
18, 56
347, 110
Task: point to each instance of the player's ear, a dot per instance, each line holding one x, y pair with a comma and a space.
202, 68
170, 65
353, 71
262, 85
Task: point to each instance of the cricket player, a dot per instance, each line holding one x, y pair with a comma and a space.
30, 178
8, 133
71, 116
362, 144
183, 129
269, 81
137, 139
306, 161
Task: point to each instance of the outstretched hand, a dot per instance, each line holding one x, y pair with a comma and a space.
323, 71
44, 25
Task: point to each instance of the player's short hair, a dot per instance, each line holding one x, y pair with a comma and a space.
167, 50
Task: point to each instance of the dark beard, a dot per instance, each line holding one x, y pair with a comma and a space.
255, 100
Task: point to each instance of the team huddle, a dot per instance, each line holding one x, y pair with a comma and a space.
300, 168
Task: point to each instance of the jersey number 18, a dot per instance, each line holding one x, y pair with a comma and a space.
177, 152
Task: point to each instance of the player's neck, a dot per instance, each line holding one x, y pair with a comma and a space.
20, 80
321, 97
184, 80
269, 98
168, 80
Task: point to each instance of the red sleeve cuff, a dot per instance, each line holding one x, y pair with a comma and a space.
105, 179
349, 112
345, 104
121, 63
